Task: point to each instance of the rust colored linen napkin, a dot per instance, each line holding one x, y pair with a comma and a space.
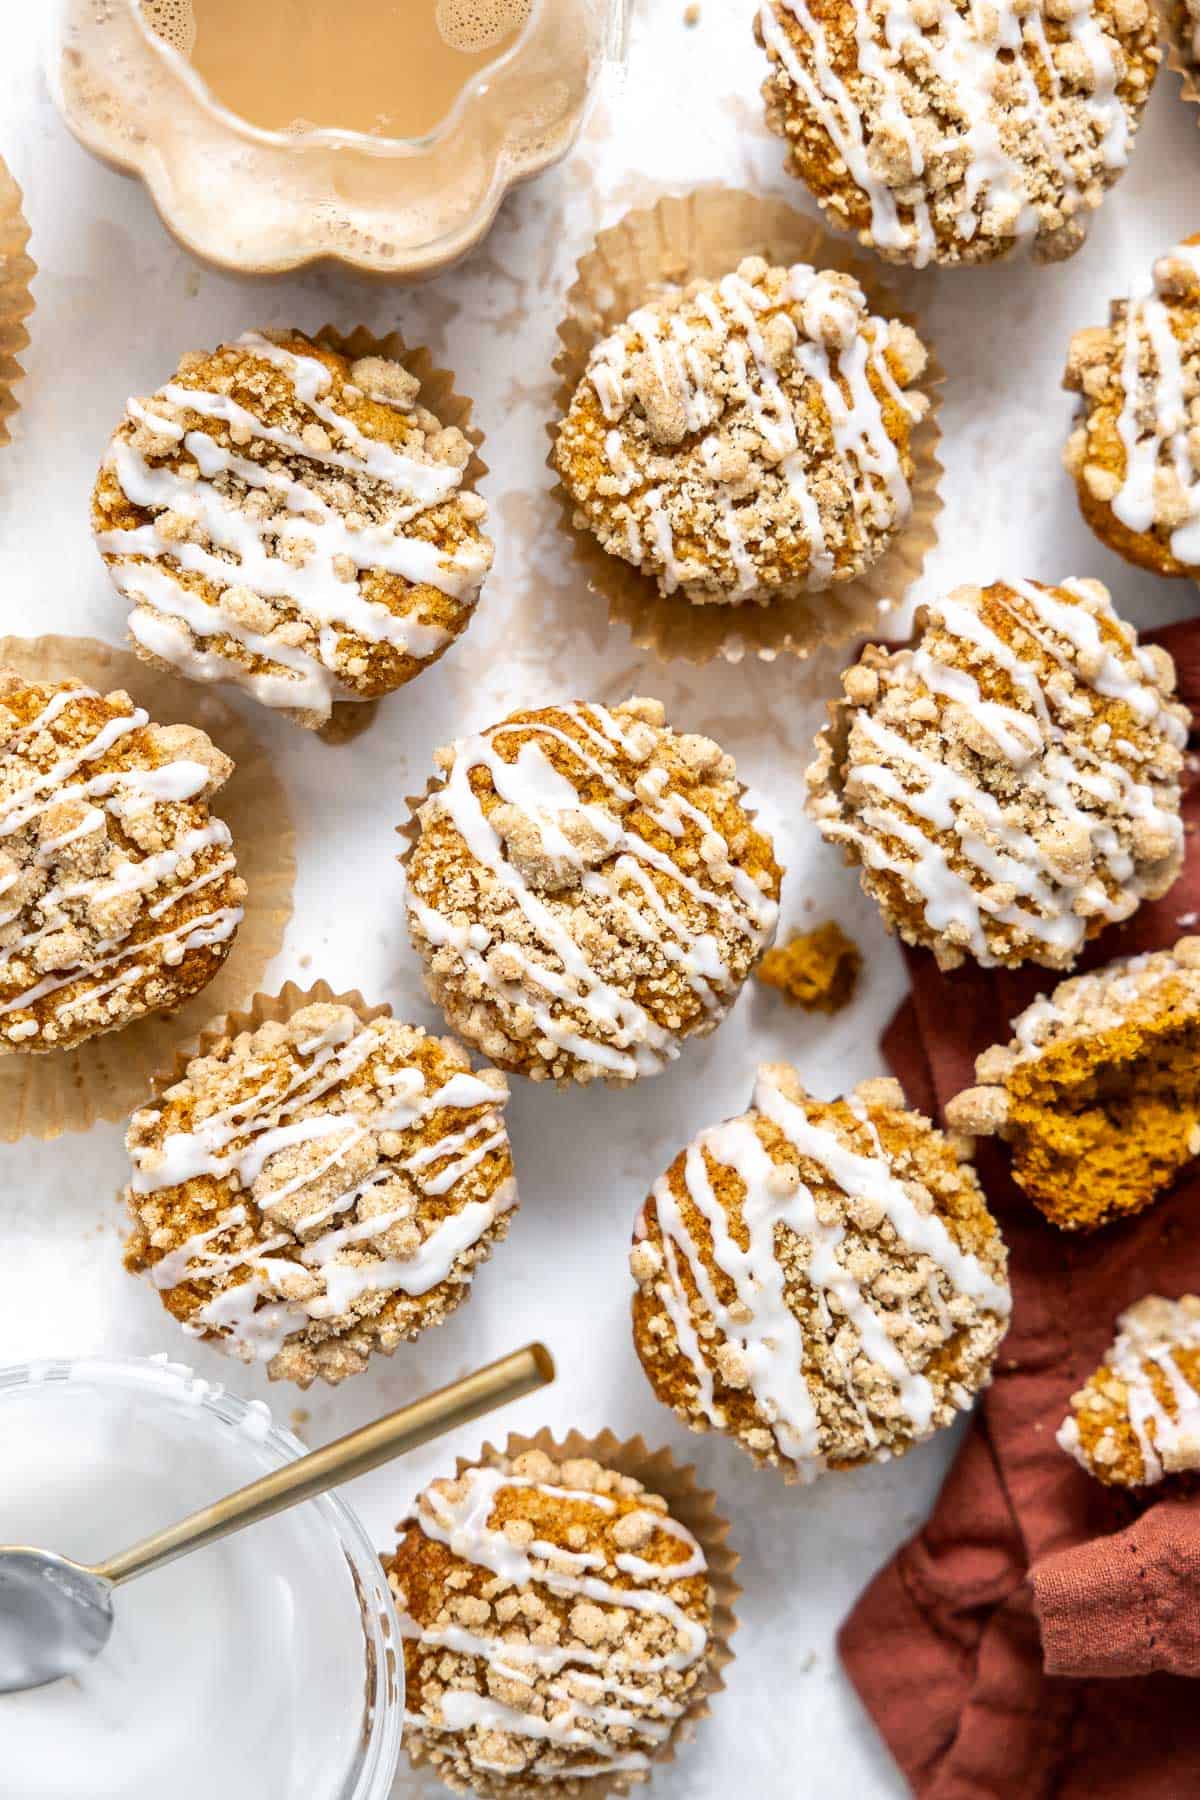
981, 1647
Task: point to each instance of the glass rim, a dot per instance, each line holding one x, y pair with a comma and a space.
382, 1642
328, 136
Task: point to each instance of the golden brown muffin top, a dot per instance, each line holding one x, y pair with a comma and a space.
1137, 1419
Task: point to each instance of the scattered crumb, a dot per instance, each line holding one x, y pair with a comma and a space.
691, 14
816, 969
298, 1419
306, 961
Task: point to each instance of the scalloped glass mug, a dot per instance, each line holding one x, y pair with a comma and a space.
262, 201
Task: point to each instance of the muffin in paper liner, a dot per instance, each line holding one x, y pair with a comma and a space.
349, 718
692, 1506
16, 302
344, 1358
706, 234
409, 831
102, 1079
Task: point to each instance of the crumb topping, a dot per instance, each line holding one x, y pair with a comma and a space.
940, 131
821, 1280
119, 894
293, 522
1135, 447
1137, 1419
817, 969
1098, 1093
1010, 784
556, 1624
747, 439
587, 890
318, 1189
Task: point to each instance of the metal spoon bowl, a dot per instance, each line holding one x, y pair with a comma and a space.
56, 1615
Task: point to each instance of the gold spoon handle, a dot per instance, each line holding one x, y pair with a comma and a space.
495, 1385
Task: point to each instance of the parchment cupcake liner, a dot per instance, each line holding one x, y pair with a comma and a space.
1176, 30
350, 718
691, 1505
103, 1079
705, 234
16, 301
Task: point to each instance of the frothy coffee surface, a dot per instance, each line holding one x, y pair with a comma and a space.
393, 68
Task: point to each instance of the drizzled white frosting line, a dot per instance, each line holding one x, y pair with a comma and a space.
1167, 1440
1154, 423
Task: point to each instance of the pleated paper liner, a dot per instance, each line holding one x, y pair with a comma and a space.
706, 234
105, 1078
16, 301
1177, 29
692, 1506
261, 1009
350, 718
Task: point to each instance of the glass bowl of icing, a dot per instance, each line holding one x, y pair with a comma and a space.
260, 1668
323, 161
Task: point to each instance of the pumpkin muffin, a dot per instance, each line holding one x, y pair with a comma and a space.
1009, 783
119, 891
821, 1280
1135, 450
747, 440
320, 1188
557, 1624
1137, 1419
586, 890
951, 133
291, 520
1098, 1093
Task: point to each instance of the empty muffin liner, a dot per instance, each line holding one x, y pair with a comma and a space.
706, 234
44, 1096
16, 301
691, 1505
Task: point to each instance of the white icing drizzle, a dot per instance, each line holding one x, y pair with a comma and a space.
243, 551
766, 1333
868, 458
958, 51
1154, 424
119, 796
1015, 881
621, 1037
258, 1314
576, 1724
1147, 1336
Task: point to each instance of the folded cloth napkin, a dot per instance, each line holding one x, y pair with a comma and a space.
977, 1649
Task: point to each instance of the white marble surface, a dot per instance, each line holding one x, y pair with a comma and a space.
117, 303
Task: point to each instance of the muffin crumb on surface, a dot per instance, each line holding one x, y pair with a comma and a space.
816, 969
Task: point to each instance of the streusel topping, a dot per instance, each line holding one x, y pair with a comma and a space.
556, 1625
1135, 449
1098, 1091
747, 439
821, 1280
587, 890
1010, 784
318, 1189
947, 132
291, 521
119, 892
1137, 1419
